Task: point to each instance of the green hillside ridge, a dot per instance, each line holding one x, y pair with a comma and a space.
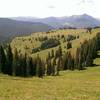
27, 43
11, 28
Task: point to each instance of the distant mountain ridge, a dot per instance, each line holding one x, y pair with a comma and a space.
78, 21
18, 26
11, 28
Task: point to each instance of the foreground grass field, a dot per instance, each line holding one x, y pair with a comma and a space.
70, 85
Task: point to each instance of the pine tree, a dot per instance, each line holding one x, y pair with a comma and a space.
59, 65
9, 66
32, 64
58, 52
89, 58
25, 65
70, 63
69, 45
49, 56
53, 66
65, 61
15, 62
39, 67
28, 66
49, 67
2, 60
52, 53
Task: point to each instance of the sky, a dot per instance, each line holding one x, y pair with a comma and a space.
48, 8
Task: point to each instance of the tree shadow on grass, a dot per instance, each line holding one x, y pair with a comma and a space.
95, 65
98, 56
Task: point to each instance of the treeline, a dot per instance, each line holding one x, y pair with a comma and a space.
15, 64
84, 54
49, 43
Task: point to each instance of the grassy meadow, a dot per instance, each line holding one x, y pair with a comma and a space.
70, 85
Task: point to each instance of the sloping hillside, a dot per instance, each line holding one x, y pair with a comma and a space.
11, 28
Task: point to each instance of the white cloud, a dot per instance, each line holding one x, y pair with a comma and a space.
42, 8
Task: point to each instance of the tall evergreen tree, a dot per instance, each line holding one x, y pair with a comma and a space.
53, 66
39, 67
52, 53
15, 62
69, 45
59, 65
2, 59
32, 64
65, 61
49, 67
9, 67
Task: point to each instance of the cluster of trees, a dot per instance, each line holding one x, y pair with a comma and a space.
50, 43
22, 65
15, 64
19, 65
71, 37
84, 54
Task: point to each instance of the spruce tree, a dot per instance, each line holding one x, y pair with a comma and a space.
39, 67
52, 53
59, 65
9, 66
2, 59
32, 64
53, 66
49, 67
69, 45
15, 62
65, 61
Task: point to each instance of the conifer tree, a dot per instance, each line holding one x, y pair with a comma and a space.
49, 67
39, 67
59, 65
65, 61
32, 64
2, 59
15, 62
9, 67
69, 45
52, 53
53, 66
70, 62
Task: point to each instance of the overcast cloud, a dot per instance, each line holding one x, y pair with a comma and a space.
45, 8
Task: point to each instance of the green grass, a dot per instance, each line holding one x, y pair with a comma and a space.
70, 85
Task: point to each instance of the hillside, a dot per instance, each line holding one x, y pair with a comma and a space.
80, 82
11, 28
70, 85
28, 43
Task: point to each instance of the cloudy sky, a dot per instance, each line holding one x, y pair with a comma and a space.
47, 8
